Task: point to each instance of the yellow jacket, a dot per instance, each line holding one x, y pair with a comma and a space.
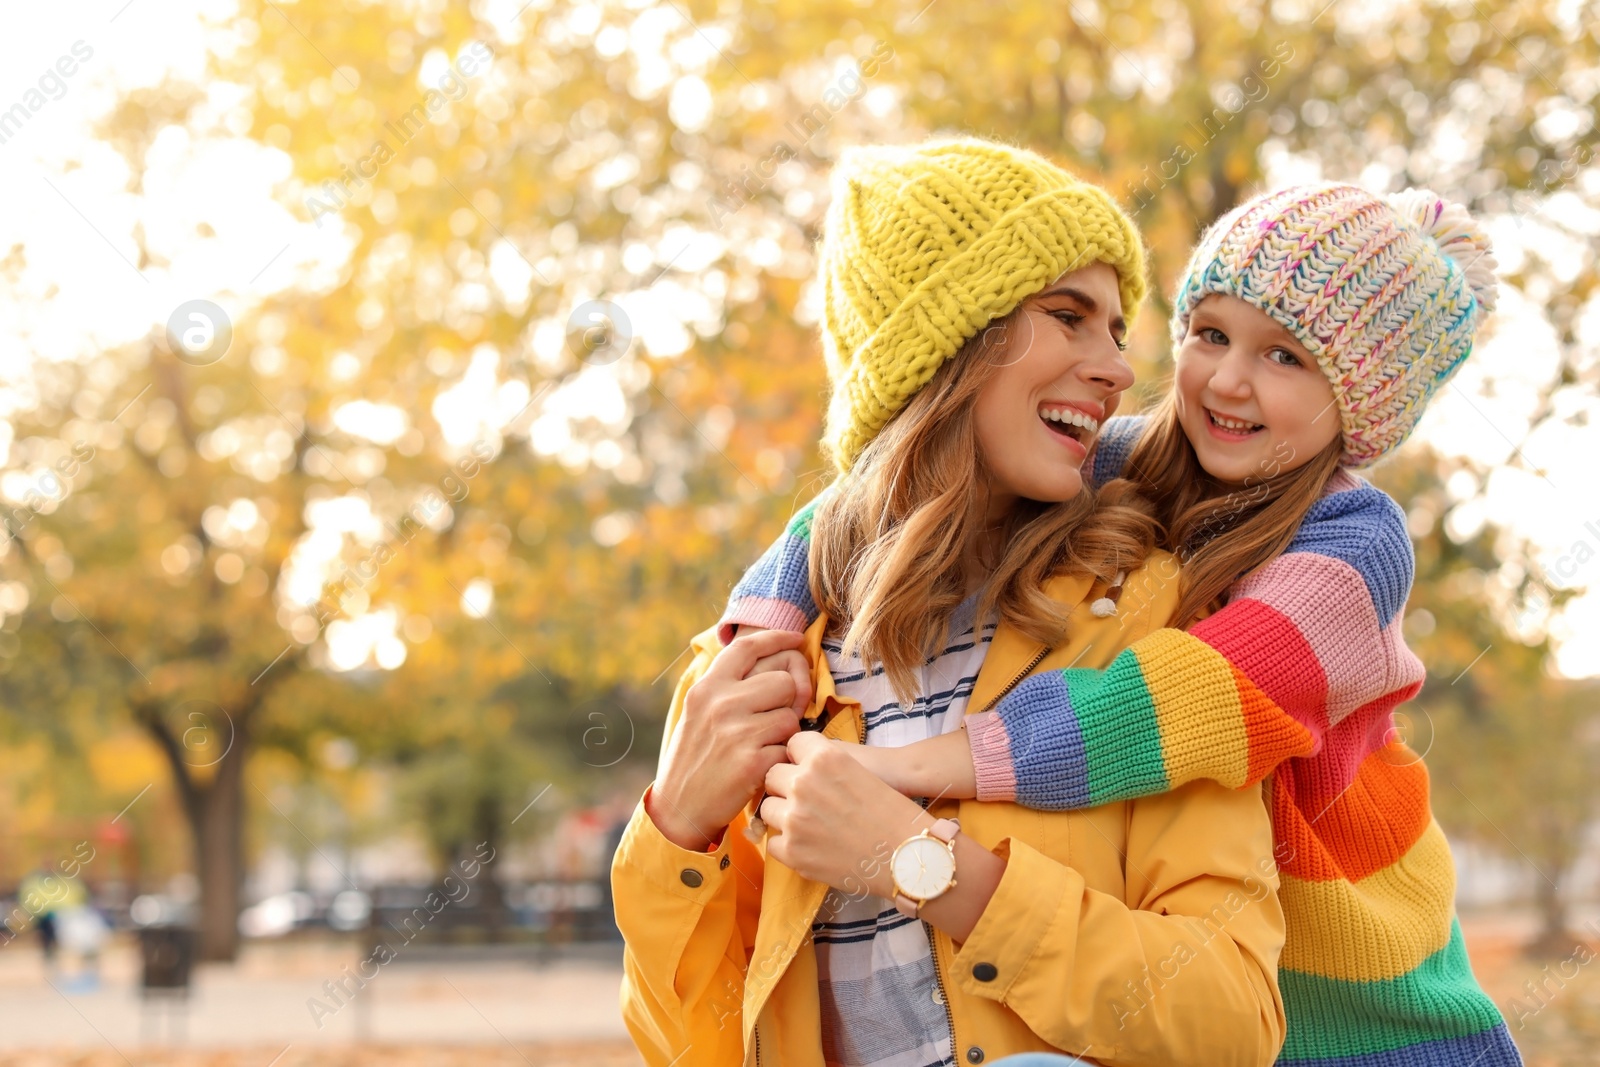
1140, 932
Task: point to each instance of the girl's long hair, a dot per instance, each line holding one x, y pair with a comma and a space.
1259, 519
888, 542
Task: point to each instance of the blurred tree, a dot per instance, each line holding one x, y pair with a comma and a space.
436, 450
1512, 747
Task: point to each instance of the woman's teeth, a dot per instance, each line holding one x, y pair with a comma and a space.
1074, 424
1232, 425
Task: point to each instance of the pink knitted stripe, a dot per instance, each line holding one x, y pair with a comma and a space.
991, 756
1342, 481
1328, 601
768, 613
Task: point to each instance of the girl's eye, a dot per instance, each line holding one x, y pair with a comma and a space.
1122, 343
1289, 358
1214, 336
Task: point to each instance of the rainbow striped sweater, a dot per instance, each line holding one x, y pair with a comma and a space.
1296, 677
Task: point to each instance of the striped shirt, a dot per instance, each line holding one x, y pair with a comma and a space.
881, 1001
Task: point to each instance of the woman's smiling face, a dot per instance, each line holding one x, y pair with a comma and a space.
1251, 399
1060, 375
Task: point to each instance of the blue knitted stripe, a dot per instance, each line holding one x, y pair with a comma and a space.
1117, 438
1366, 529
1047, 752
782, 573
1491, 1048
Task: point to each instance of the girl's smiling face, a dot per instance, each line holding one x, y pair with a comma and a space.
1250, 398
1060, 374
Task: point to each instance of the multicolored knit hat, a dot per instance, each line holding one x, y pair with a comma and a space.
1385, 291
923, 246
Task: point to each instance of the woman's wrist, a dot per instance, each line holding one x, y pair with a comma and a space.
957, 910
676, 827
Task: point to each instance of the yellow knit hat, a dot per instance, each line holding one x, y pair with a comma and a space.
925, 245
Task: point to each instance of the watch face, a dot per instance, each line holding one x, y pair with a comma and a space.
923, 868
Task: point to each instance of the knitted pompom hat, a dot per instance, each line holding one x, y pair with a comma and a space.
924, 245
1385, 291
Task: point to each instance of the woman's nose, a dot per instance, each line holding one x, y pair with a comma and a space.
1109, 369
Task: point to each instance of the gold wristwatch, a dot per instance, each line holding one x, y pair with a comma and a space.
923, 866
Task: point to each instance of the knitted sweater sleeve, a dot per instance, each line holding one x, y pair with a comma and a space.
775, 593
1304, 643
1115, 444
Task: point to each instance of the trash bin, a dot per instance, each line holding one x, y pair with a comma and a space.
167, 953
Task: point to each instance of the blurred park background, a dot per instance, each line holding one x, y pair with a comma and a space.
390, 388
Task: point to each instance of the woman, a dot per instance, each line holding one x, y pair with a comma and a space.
1138, 932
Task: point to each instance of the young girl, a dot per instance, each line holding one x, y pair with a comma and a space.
962, 553
1312, 326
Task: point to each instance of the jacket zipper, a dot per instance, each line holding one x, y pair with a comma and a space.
933, 943
1023, 673
944, 997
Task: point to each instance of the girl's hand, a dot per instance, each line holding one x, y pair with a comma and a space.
732, 731
790, 660
832, 820
886, 764
938, 767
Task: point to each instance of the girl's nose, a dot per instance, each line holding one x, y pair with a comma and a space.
1229, 377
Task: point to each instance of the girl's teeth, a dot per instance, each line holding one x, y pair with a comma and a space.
1233, 424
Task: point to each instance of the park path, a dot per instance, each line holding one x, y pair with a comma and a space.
262, 1004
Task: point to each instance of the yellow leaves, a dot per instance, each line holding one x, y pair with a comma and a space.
125, 763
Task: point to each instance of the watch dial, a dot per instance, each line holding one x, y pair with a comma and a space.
923, 868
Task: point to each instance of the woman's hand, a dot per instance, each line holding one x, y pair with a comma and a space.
832, 820
732, 732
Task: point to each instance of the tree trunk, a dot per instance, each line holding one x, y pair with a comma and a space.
215, 813
217, 826
1554, 939
486, 822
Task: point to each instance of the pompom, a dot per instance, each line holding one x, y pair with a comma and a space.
1457, 234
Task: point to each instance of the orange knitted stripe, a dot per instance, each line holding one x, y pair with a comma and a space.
1365, 829
1273, 735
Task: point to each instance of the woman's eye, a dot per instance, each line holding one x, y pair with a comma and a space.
1289, 358
1214, 336
1071, 318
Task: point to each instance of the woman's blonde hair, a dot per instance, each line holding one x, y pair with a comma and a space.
1194, 509
888, 543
